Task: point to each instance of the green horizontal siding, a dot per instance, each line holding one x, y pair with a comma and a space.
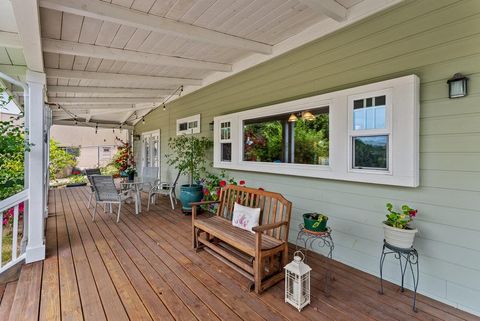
431, 38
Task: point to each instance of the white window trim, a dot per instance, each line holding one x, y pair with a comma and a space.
188, 131
371, 132
402, 125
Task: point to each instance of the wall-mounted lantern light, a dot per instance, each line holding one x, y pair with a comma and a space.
457, 86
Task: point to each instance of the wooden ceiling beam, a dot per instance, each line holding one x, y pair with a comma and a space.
86, 50
109, 90
117, 14
105, 76
10, 40
26, 14
91, 124
103, 100
330, 8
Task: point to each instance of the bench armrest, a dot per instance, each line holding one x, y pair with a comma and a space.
203, 203
194, 206
266, 227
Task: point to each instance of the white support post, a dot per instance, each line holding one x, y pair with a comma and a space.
35, 250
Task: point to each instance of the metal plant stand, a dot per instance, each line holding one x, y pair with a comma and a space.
407, 258
308, 240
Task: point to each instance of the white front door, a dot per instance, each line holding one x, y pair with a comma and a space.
151, 149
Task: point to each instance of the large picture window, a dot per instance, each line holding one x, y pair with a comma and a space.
365, 134
298, 138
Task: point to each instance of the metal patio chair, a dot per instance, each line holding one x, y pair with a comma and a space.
89, 172
163, 188
107, 193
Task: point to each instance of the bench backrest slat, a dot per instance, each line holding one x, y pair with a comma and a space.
274, 207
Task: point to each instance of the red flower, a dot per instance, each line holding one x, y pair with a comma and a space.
223, 183
206, 193
413, 213
242, 182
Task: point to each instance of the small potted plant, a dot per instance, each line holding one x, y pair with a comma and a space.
397, 231
188, 155
124, 160
315, 222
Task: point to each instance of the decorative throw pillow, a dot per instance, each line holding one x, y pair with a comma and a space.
245, 217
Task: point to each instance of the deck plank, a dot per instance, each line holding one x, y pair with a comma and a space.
7, 299
50, 293
143, 268
90, 299
130, 299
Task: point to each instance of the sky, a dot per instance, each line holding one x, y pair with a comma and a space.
11, 108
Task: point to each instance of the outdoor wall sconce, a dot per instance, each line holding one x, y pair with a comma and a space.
457, 86
210, 125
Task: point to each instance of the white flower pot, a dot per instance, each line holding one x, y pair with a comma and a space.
399, 237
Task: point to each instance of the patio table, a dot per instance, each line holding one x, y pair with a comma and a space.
136, 187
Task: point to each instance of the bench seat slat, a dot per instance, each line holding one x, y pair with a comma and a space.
242, 239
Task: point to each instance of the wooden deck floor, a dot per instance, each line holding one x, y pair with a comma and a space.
143, 269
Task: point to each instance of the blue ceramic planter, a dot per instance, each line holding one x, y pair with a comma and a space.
190, 194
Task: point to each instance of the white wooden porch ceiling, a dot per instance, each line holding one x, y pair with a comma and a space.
113, 61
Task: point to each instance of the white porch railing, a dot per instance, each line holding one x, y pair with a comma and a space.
13, 226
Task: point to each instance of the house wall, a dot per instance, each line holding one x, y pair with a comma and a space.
89, 142
431, 38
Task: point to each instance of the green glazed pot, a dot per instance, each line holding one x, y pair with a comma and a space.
309, 220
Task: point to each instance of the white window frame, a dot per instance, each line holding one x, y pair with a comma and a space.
402, 126
189, 130
387, 131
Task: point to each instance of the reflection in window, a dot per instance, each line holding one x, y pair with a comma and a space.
370, 152
226, 149
300, 138
369, 113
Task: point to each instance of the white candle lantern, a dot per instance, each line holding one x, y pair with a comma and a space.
297, 282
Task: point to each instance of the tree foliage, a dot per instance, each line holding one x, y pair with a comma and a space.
188, 154
264, 141
59, 160
12, 154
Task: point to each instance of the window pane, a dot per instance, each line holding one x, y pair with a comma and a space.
262, 141
380, 100
358, 104
370, 152
275, 139
358, 119
183, 126
380, 117
370, 119
226, 155
311, 141
225, 130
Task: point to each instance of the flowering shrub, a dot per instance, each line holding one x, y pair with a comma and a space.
212, 186
8, 215
124, 159
400, 219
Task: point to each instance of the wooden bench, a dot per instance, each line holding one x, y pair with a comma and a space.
259, 256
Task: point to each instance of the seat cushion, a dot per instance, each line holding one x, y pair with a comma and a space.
239, 238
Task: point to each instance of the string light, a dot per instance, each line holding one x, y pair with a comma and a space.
96, 128
143, 120
76, 122
114, 130
164, 107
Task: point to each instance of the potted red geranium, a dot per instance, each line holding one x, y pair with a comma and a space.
397, 231
212, 186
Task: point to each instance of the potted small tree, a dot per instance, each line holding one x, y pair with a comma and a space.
188, 155
397, 232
